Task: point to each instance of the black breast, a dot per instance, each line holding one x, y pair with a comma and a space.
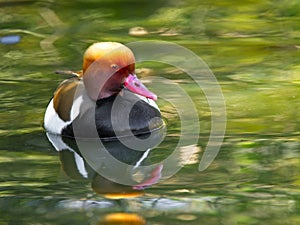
121, 115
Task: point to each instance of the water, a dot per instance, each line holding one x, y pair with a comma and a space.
252, 48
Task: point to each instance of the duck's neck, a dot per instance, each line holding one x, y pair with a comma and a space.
102, 101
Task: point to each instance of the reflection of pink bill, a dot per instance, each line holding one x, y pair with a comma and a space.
154, 178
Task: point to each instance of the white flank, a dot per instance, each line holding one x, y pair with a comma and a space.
52, 122
75, 110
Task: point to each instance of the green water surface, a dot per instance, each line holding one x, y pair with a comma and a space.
251, 46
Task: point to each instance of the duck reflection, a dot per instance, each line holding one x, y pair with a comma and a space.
117, 169
122, 218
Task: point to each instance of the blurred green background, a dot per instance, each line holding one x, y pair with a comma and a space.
251, 46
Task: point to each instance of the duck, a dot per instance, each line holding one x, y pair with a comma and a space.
105, 99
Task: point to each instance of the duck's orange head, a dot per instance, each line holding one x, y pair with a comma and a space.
107, 68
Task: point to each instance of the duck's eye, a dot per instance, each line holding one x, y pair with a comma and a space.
114, 66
